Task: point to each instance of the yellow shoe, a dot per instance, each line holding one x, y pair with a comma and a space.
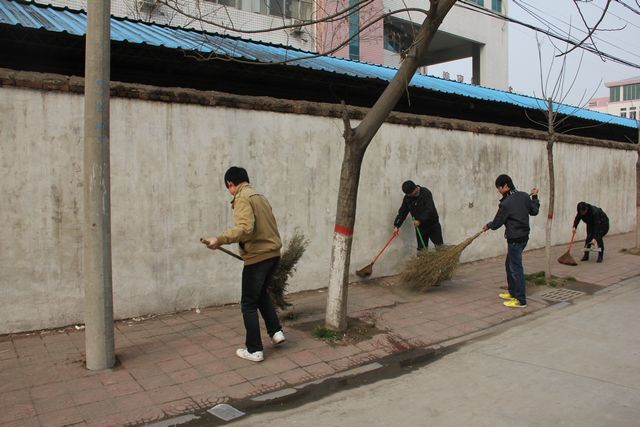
505, 295
514, 303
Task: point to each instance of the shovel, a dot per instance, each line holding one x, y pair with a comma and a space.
566, 257
368, 269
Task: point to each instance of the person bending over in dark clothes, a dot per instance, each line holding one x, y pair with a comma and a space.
419, 202
597, 227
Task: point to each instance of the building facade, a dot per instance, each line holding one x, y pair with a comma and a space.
364, 35
623, 99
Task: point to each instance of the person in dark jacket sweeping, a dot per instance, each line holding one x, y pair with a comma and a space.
419, 202
513, 212
597, 227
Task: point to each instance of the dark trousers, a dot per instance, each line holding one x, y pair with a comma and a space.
256, 279
515, 271
431, 232
600, 240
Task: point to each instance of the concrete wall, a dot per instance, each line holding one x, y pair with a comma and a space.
167, 191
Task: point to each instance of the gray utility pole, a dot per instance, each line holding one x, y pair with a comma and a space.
98, 293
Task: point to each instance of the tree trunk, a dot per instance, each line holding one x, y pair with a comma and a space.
336, 316
552, 186
356, 143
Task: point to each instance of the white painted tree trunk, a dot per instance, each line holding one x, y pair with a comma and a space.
336, 314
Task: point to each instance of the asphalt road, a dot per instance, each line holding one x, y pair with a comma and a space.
574, 366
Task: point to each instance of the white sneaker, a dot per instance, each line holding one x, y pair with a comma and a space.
256, 356
278, 338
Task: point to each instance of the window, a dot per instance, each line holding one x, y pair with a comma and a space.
496, 5
623, 114
632, 115
296, 9
230, 3
631, 91
257, 6
280, 8
480, 2
399, 34
614, 93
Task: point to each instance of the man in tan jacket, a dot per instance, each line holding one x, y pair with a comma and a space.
256, 232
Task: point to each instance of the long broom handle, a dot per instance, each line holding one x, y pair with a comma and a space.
393, 236
226, 251
573, 235
419, 234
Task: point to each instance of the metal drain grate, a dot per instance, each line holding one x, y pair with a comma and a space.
560, 294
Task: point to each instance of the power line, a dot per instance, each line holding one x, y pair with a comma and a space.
521, 4
619, 17
637, 12
482, 10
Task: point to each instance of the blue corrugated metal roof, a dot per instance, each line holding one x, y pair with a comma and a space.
32, 15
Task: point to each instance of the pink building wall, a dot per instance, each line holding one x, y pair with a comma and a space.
329, 35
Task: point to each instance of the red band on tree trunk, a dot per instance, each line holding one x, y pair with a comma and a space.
550, 216
345, 231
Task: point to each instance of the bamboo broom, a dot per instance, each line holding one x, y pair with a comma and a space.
429, 268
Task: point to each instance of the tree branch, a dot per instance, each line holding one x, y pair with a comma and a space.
591, 30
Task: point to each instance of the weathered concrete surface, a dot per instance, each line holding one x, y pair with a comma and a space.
167, 165
575, 367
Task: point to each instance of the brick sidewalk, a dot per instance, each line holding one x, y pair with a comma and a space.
178, 363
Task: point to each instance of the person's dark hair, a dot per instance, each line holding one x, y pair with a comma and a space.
236, 175
503, 179
408, 187
583, 208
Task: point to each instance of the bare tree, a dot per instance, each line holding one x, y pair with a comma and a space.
356, 142
553, 100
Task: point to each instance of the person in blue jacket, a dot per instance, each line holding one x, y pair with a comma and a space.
513, 212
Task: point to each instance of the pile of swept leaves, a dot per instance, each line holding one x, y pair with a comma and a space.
288, 261
429, 268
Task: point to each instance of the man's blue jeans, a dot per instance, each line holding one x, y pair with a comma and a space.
515, 271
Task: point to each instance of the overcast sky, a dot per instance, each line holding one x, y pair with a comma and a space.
524, 74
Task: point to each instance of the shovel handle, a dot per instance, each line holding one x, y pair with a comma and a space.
393, 235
